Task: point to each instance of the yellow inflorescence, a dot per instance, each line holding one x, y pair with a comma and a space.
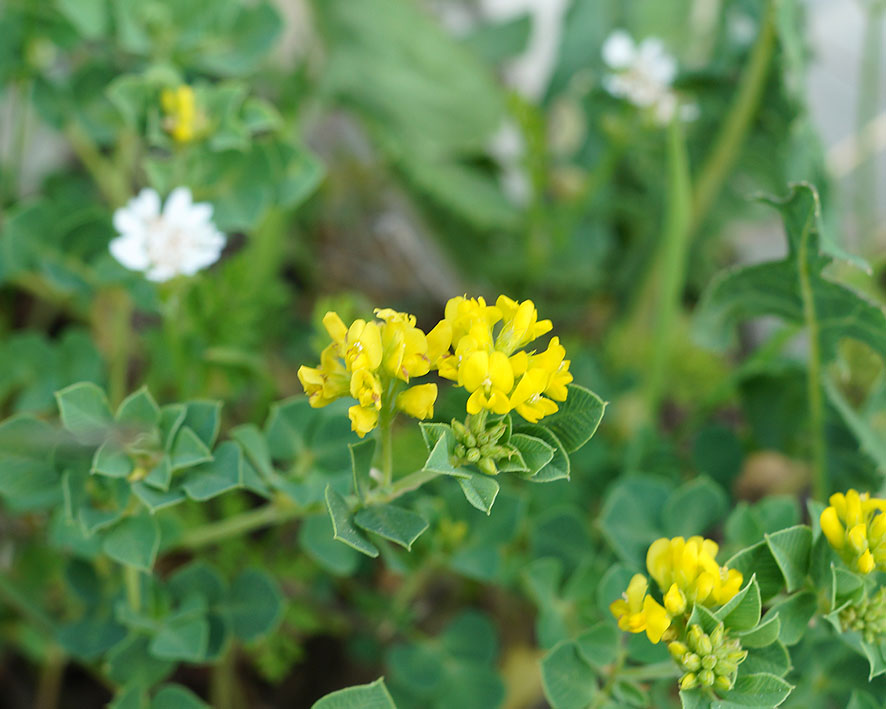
686, 572
182, 118
492, 366
855, 525
478, 346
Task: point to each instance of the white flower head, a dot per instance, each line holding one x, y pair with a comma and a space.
642, 74
177, 241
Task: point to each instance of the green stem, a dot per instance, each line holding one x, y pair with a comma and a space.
50, 683
241, 524
19, 137
671, 267
728, 142
224, 690
659, 670
616, 671
407, 483
813, 373
386, 452
868, 104
24, 606
111, 184
132, 579
120, 343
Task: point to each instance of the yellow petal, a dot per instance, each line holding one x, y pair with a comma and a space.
657, 619
474, 370
418, 401
363, 419
335, 327
500, 372
866, 562
439, 340
831, 527
858, 537
674, 600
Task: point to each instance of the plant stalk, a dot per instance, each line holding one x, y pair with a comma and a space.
132, 580
671, 266
728, 142
241, 524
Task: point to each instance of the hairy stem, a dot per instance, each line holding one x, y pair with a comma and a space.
728, 142
671, 266
50, 682
243, 523
133, 587
813, 372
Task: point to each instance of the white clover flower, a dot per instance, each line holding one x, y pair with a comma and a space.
642, 74
179, 241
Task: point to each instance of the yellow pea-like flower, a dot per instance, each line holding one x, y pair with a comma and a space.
855, 526
636, 611
418, 401
183, 121
363, 419
489, 378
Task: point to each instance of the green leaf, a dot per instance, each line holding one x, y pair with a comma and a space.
764, 634
631, 515
758, 561
131, 698
26, 471
112, 461
599, 645
774, 288
794, 615
755, 690
558, 468
134, 542
188, 450
172, 416
160, 476
870, 440
89, 638
694, 507
84, 411
197, 577
255, 446
138, 409
204, 419
130, 663
772, 659
342, 528
254, 604
790, 549
536, 453
567, 680
363, 696
742, 612
471, 636
288, 427
439, 458
90, 17
362, 454
577, 419
396, 524
183, 639
315, 538
155, 499
480, 490
220, 475
174, 696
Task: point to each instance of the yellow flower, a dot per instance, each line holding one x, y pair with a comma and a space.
363, 348
489, 378
363, 419
855, 525
690, 568
521, 324
637, 611
405, 346
326, 383
552, 362
418, 401
182, 119
366, 388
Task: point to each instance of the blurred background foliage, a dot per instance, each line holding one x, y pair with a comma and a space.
400, 152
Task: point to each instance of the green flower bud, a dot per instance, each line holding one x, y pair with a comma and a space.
483, 439
706, 678
691, 662
487, 466
694, 636
470, 440
458, 428
473, 456
688, 681
717, 635
488, 450
704, 646
677, 650
724, 684
709, 662
497, 432
460, 451
725, 668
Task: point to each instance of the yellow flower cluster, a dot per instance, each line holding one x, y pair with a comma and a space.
855, 525
686, 572
487, 358
182, 118
478, 346
366, 360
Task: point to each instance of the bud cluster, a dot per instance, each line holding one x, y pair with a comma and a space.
868, 617
477, 444
708, 660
